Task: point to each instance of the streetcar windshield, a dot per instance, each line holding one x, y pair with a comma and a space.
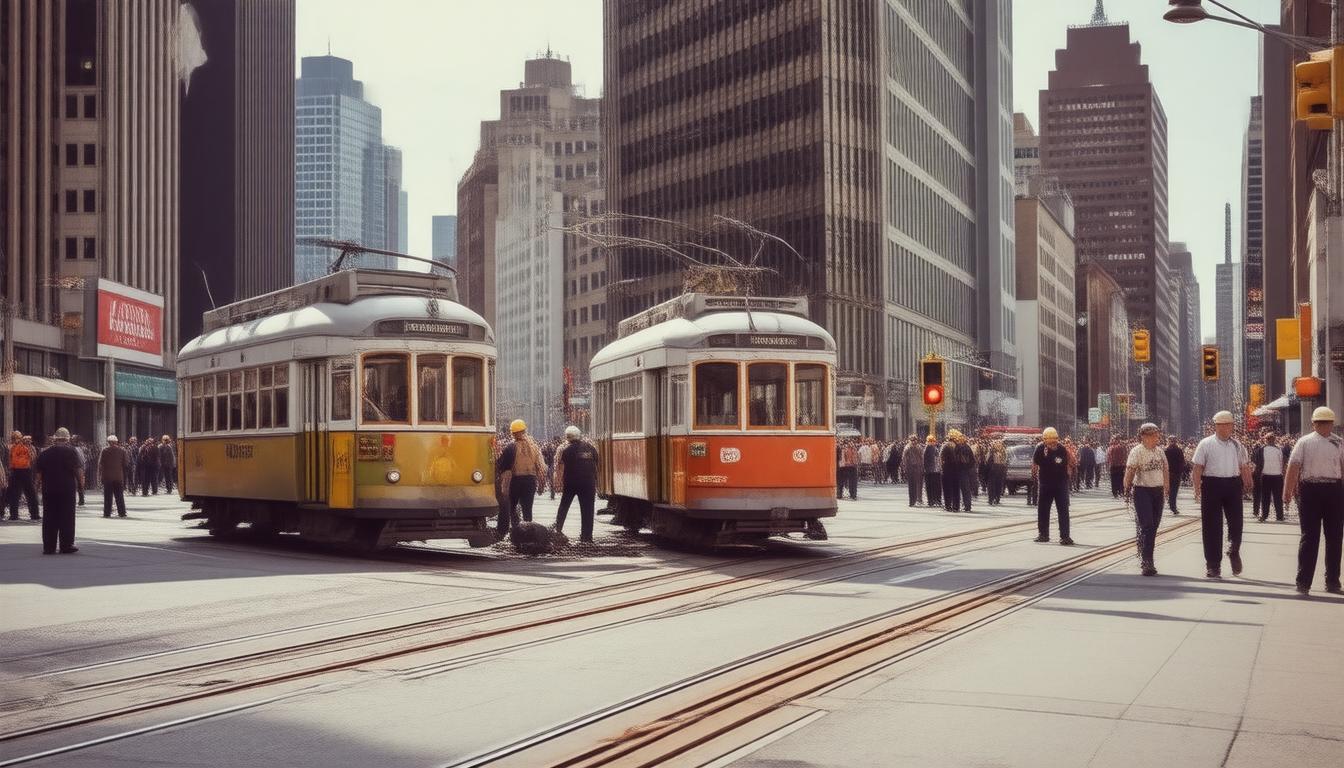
432, 389
384, 388
809, 387
468, 391
767, 389
716, 395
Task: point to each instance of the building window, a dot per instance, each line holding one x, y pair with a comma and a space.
90, 199
90, 107
71, 201
71, 107
72, 154
71, 248
90, 154
89, 252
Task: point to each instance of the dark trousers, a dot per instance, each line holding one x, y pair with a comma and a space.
149, 478
1255, 496
1319, 508
998, 474
550, 478
21, 482
1220, 499
115, 491
970, 488
58, 527
847, 478
81, 494
169, 474
933, 488
1089, 475
585, 496
134, 478
1117, 481
1147, 516
1171, 493
522, 492
951, 491
916, 484
1059, 494
1271, 489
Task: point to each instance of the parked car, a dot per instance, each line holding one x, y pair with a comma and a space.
1019, 470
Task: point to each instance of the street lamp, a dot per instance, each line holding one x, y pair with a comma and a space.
1191, 11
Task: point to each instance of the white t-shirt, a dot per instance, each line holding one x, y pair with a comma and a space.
865, 454
1148, 464
1220, 458
1273, 460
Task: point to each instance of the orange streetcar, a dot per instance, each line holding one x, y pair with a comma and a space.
714, 419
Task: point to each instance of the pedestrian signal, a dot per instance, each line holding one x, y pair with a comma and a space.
1210, 363
932, 372
1143, 350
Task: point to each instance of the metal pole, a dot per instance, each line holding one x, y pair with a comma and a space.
7, 365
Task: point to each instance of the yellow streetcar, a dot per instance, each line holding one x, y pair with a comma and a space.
354, 408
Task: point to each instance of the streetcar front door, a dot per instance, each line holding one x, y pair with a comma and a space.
313, 442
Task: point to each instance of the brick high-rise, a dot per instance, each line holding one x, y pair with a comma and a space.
1104, 135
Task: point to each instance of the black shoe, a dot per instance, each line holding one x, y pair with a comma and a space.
1042, 539
1213, 573
1149, 570
1334, 589
1259, 519
1235, 558
107, 516
1278, 519
36, 518
48, 551
123, 514
1303, 589
1066, 541
69, 550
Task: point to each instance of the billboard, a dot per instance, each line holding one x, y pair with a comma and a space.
130, 324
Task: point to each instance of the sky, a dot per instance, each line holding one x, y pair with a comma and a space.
436, 67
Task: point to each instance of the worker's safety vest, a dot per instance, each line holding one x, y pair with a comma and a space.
19, 457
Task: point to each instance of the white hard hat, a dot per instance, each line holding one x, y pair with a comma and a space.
572, 432
1223, 417
1148, 427
112, 438
1322, 414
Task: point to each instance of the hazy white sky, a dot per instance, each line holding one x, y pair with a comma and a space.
436, 68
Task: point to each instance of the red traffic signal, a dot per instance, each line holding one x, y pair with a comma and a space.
933, 394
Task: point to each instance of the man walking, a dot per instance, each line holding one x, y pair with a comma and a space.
1115, 460
59, 474
167, 463
996, 465
1050, 472
1176, 469
112, 465
133, 470
912, 466
577, 471
1222, 474
933, 476
21, 456
1315, 472
1147, 477
947, 457
149, 466
1087, 461
1270, 460
847, 471
548, 452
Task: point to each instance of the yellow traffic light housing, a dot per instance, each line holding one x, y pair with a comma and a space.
1210, 363
1319, 88
1143, 350
1257, 396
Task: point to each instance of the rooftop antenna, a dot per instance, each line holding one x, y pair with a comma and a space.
206, 279
1099, 15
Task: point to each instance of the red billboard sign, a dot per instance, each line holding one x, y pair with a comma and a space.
130, 324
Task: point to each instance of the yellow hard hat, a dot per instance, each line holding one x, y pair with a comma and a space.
930, 439
1322, 414
1049, 432
517, 426
954, 434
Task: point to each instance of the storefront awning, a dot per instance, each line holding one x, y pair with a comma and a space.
24, 385
1281, 404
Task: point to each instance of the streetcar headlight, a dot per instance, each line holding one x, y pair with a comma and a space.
477, 476
393, 476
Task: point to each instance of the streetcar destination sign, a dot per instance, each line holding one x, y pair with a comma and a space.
765, 341
431, 328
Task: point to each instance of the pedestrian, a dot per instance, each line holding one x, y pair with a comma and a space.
577, 472
59, 474
1087, 463
1115, 460
1176, 470
149, 466
865, 460
519, 469
1050, 472
933, 475
1315, 473
996, 466
849, 470
947, 458
1147, 479
548, 452
133, 452
889, 468
912, 466
1222, 473
1270, 459
980, 476
167, 462
77, 443
112, 465
1072, 451
21, 456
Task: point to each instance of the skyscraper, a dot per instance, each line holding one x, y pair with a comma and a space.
443, 242
1104, 134
1229, 300
872, 137
1252, 248
392, 213
341, 185
237, 156
548, 288
89, 213
1190, 389
1276, 81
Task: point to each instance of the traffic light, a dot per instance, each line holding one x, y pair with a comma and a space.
1319, 87
931, 373
1257, 396
1143, 350
1210, 361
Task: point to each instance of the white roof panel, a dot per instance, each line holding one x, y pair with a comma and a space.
689, 334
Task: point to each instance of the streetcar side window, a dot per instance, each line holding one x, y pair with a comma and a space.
716, 395
383, 392
468, 391
431, 376
767, 395
221, 402
676, 406
340, 396
809, 395
250, 398
628, 405
267, 397
282, 395
197, 420
208, 404
236, 400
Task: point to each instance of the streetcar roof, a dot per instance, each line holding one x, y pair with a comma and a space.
354, 320
684, 333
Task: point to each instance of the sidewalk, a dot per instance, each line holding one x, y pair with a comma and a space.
1119, 670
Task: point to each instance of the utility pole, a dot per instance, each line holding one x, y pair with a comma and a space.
7, 357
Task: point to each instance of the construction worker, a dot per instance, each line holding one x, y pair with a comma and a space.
1222, 475
21, 456
1050, 472
519, 468
1315, 472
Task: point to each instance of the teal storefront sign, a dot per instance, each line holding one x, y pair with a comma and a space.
146, 388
